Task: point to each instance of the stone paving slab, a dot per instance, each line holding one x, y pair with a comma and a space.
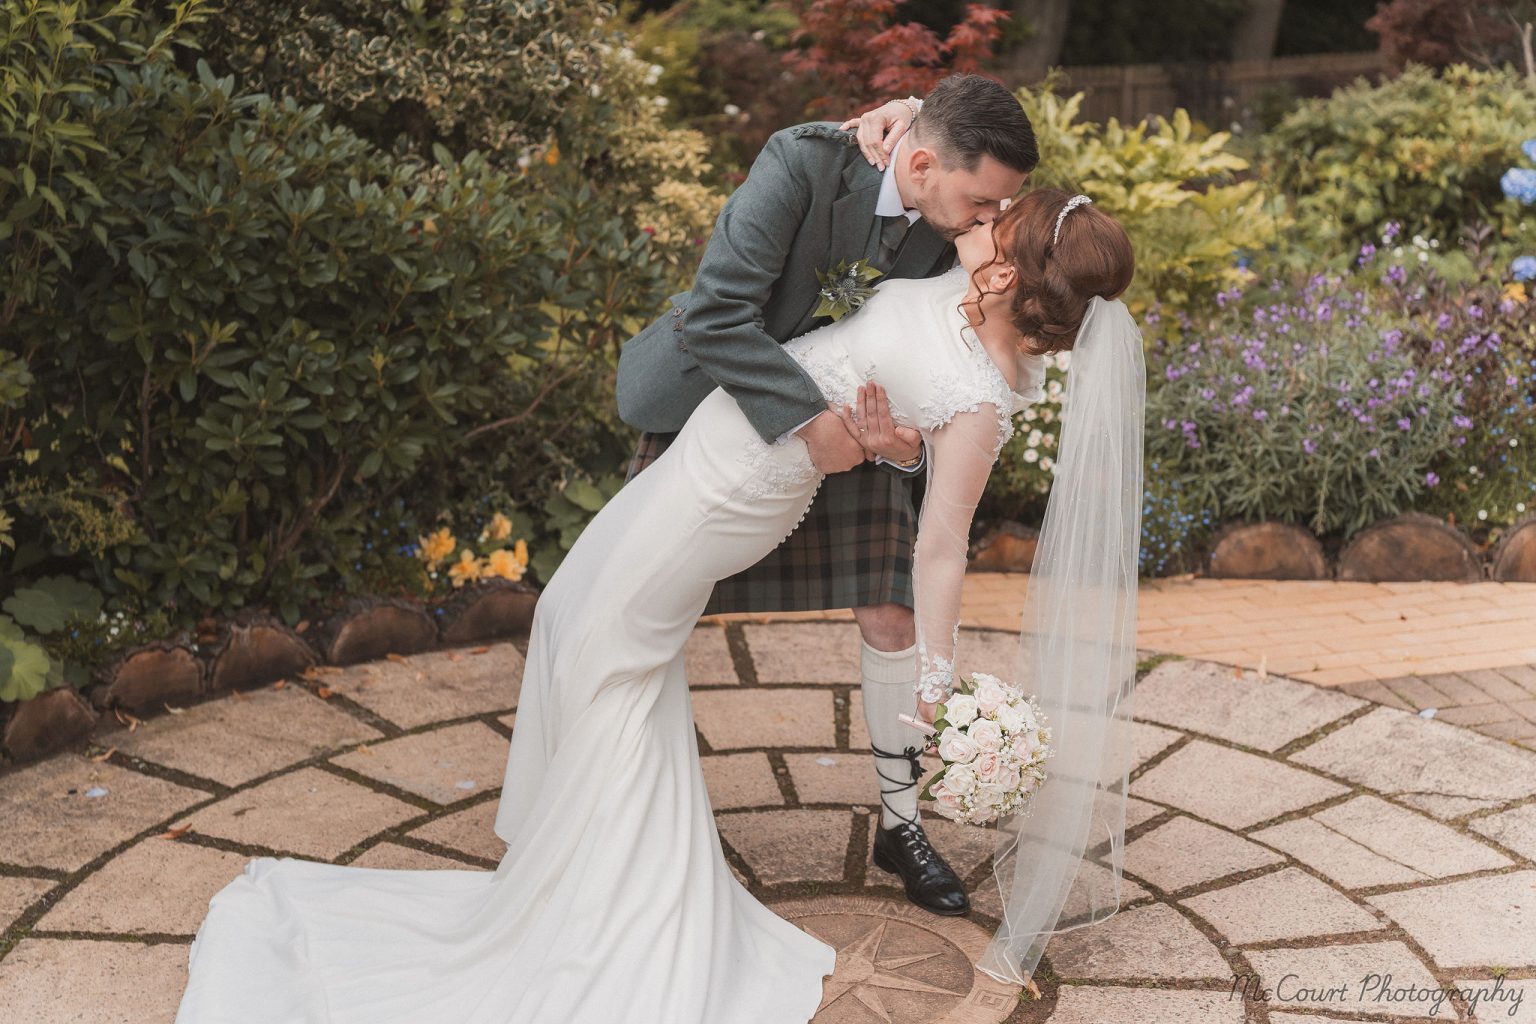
85, 981
471, 831
776, 717
17, 894
1409, 839
157, 887
1284, 904
394, 857
1183, 852
1470, 923
1331, 978
1115, 1004
707, 657
1253, 788
1514, 829
309, 813
68, 810
1242, 707
790, 846
1395, 752
242, 736
741, 780
804, 653
445, 766
1155, 942
1512, 1002
435, 686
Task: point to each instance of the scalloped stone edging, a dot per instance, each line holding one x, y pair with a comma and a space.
253, 648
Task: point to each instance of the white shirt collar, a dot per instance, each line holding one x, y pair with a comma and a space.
889, 203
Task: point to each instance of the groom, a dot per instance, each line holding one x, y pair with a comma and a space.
810, 201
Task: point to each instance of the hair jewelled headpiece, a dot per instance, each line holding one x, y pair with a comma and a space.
1072, 204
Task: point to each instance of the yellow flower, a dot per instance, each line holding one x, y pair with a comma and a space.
506, 564
500, 528
465, 569
1515, 292
438, 546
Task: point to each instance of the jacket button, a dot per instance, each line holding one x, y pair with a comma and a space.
677, 310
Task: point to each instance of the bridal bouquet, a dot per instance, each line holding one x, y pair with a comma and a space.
993, 741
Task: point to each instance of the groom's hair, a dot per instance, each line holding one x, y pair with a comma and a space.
966, 116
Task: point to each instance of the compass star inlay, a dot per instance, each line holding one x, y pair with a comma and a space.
861, 972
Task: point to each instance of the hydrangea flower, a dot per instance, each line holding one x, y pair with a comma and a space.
1519, 183
1528, 147
1524, 268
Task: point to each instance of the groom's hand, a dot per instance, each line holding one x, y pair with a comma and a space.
833, 448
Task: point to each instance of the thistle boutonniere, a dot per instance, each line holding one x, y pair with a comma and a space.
845, 288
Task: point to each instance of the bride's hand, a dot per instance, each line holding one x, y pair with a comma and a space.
871, 423
880, 129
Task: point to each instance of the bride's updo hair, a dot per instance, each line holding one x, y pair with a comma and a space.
1056, 279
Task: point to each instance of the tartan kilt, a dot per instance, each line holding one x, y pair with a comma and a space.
853, 549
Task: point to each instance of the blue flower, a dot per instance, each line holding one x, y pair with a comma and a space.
1528, 147
1519, 183
1524, 268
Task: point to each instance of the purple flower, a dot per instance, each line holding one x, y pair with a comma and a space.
1391, 230
1403, 423
1308, 445
1397, 275
1374, 453
1462, 422
1430, 479
1260, 415
1366, 252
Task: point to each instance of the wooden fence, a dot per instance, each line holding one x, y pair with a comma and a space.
1214, 93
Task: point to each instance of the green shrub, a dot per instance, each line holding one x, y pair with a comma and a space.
249, 331
1178, 194
1424, 149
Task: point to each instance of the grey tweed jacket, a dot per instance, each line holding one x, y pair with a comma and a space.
808, 202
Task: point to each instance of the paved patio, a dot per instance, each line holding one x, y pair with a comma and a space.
1297, 835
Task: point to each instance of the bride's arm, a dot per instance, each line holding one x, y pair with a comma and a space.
880, 129
961, 454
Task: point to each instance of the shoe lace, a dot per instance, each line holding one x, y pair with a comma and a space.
912, 838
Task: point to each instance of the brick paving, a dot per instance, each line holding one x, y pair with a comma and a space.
1286, 821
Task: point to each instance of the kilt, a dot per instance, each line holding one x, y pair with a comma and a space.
853, 549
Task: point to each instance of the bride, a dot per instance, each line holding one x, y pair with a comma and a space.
614, 902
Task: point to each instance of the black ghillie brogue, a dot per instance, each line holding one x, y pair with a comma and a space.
904, 849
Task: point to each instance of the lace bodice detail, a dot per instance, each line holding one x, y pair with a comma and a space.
912, 337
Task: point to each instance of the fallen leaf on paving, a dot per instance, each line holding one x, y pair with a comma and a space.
175, 711
365, 749
310, 672
127, 719
455, 657
301, 627
176, 833
1033, 989
324, 693
104, 755
392, 656
479, 650
280, 684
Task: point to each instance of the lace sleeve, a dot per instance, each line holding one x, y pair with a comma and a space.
960, 453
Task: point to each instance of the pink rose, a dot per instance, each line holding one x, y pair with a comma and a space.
955, 745
990, 694
986, 765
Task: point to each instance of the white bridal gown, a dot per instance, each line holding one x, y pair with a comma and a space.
614, 903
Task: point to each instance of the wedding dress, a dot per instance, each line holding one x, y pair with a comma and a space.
614, 903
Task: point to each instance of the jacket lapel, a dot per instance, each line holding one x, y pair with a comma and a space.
853, 214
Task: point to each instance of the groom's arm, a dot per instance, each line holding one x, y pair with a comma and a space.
741, 264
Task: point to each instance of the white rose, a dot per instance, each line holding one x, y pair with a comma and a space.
988, 794
1024, 746
987, 735
955, 745
1010, 717
1008, 778
959, 778
989, 694
960, 709
986, 766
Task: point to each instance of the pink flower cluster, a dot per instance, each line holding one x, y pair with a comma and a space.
994, 742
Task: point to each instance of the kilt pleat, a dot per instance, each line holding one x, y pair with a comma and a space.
853, 549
